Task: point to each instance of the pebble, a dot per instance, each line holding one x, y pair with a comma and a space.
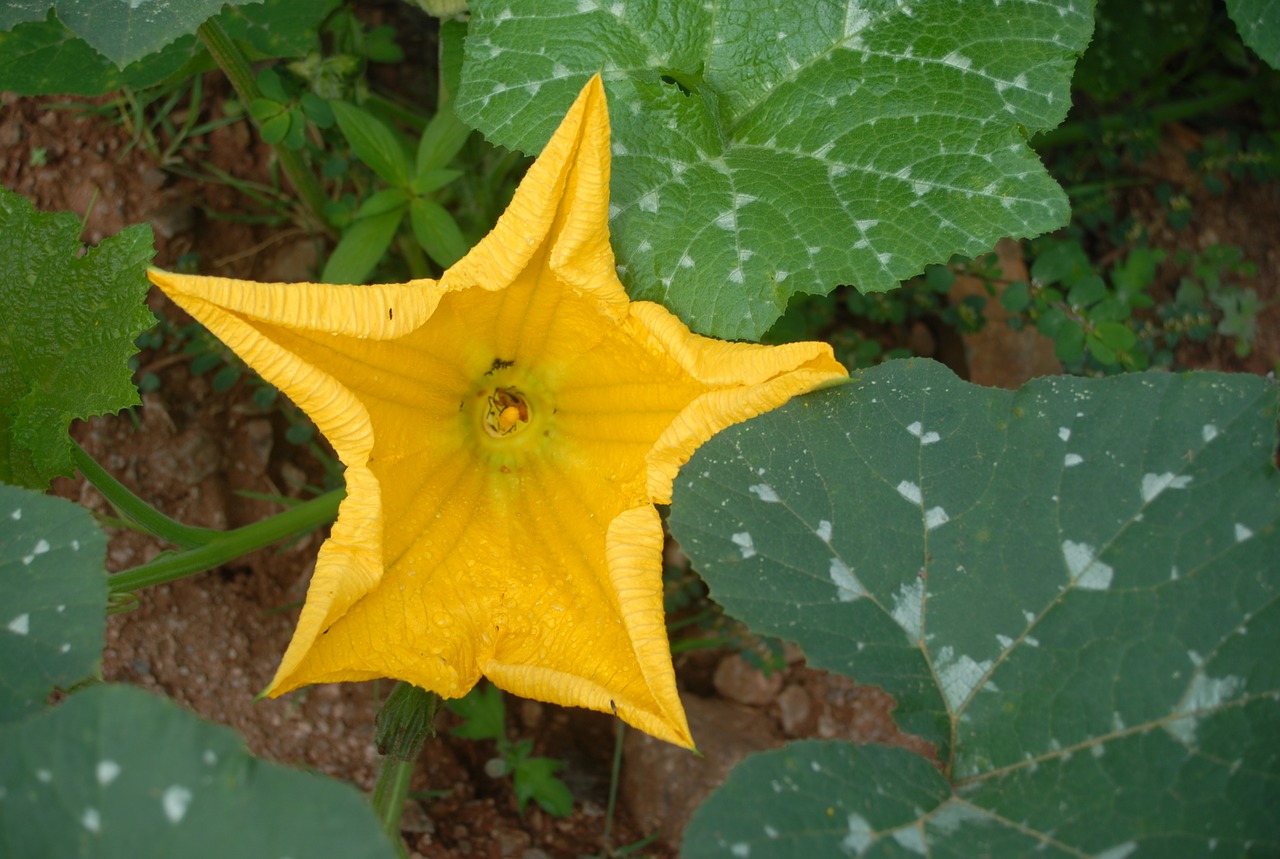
736, 680
512, 842
795, 711
662, 784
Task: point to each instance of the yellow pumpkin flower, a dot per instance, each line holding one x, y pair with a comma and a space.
506, 431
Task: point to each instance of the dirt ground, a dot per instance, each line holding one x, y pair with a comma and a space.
212, 641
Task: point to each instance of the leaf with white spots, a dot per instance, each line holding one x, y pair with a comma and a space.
123, 30
42, 55
53, 598
824, 799
765, 150
1065, 633
117, 771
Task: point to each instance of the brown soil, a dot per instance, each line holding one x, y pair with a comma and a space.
212, 641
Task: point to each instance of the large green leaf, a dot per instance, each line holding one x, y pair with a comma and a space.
54, 595
68, 321
1259, 25
123, 32
767, 149
42, 56
115, 771
1071, 589
825, 800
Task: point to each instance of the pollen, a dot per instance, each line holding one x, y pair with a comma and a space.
507, 413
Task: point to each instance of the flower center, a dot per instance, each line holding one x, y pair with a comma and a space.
507, 413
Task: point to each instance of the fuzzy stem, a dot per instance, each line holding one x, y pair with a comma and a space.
405, 721
236, 67
389, 793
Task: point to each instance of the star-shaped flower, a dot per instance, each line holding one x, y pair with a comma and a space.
506, 431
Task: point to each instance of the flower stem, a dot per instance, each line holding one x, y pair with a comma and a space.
236, 67
389, 793
229, 545
404, 723
614, 775
147, 517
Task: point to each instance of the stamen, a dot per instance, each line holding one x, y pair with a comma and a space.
507, 412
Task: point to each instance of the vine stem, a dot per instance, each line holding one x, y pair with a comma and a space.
147, 517
236, 67
229, 545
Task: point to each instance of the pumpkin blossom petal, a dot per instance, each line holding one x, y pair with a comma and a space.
740, 381
573, 168
506, 432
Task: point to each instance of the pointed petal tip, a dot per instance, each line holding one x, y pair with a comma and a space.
667, 728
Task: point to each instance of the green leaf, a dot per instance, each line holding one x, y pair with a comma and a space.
1117, 336
441, 140
272, 117
762, 150
939, 278
535, 778
1051, 320
1068, 341
317, 110
483, 711
67, 329
42, 56
123, 32
381, 202
1259, 25
54, 596
1109, 310
1062, 262
268, 29
374, 143
827, 800
429, 181
1070, 589
271, 86
296, 136
361, 246
116, 771
1101, 352
1086, 291
1016, 297
437, 232
1136, 272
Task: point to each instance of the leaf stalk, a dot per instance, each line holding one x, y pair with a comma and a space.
229, 545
